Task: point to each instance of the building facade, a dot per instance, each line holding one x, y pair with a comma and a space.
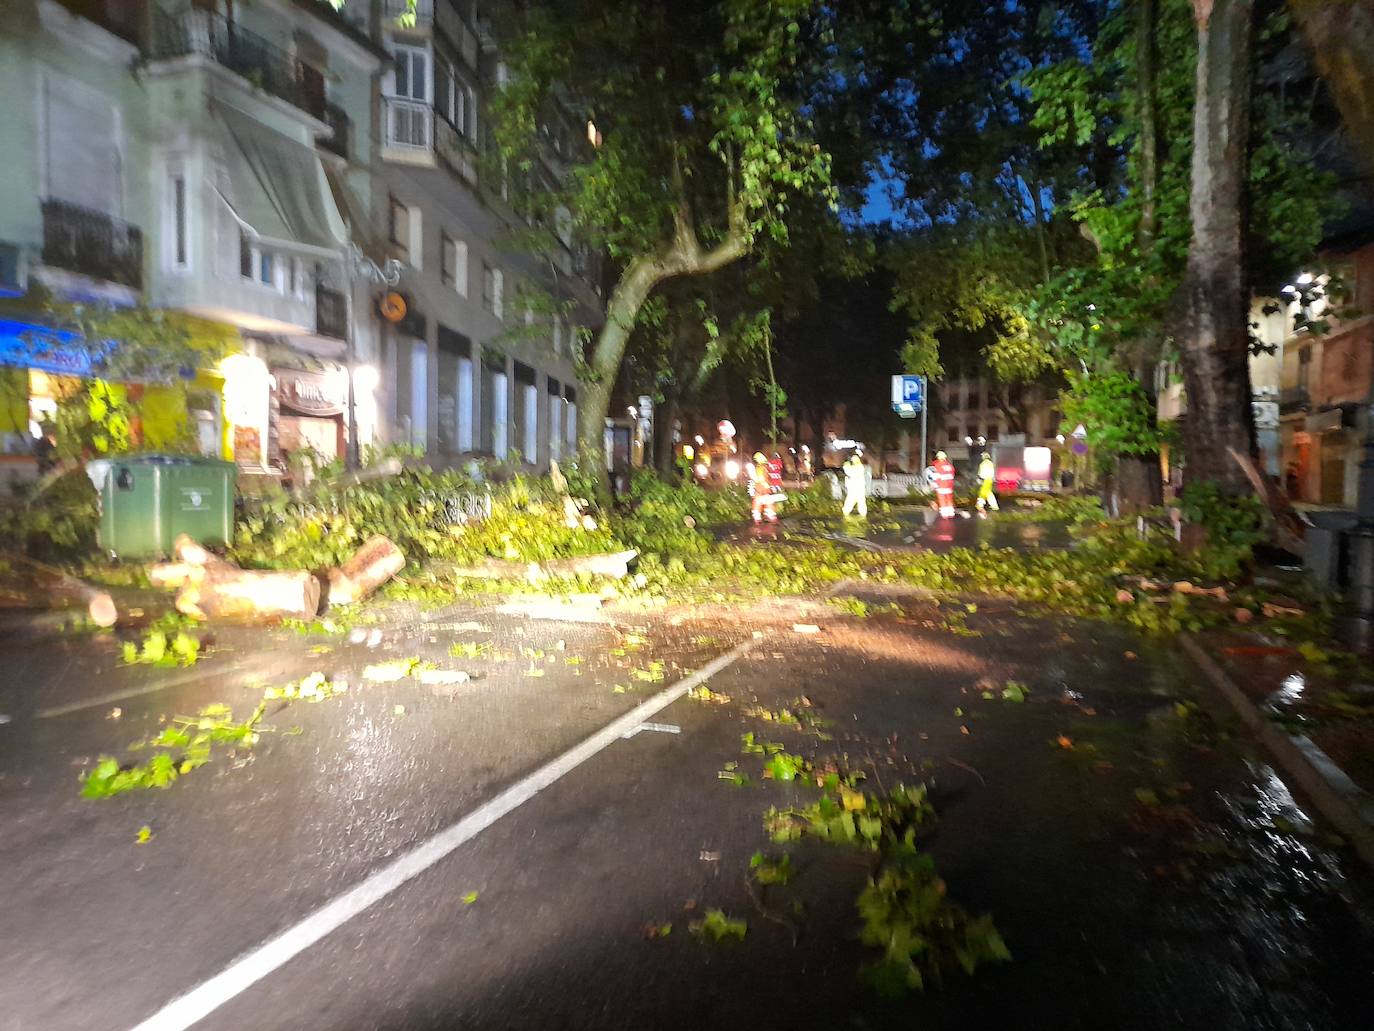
309, 181
968, 409
1326, 380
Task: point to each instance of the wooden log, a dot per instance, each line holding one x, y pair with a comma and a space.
170, 574
227, 592
194, 554
376, 562
615, 565
48, 588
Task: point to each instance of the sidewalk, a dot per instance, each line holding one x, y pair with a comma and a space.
1318, 725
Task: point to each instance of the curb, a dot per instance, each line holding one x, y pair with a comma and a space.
1339, 800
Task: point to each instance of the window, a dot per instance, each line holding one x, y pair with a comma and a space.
180, 243
953, 434
245, 256
412, 73
994, 431
558, 334
267, 268
493, 290
1304, 366
453, 263
398, 224
444, 83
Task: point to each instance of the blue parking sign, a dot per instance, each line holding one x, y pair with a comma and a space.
909, 392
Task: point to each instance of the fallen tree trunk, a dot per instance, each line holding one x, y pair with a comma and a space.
614, 564
214, 588
376, 562
48, 588
233, 593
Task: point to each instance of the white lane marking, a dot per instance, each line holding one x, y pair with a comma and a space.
659, 728
185, 1010
174, 680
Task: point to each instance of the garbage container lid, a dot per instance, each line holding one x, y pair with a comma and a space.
158, 458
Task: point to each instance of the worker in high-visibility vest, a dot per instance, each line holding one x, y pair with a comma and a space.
855, 485
943, 475
761, 487
987, 484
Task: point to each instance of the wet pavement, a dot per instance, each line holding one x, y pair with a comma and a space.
914, 527
1145, 866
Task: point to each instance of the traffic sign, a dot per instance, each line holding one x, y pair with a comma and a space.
909, 392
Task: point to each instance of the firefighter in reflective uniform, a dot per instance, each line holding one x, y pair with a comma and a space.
761, 488
987, 484
856, 485
944, 484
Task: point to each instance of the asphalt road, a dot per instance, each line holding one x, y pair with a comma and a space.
1152, 873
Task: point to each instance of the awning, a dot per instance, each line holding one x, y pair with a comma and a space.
279, 189
355, 216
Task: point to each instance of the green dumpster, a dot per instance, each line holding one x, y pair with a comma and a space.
147, 500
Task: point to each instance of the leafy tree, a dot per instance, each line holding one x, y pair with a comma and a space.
704, 139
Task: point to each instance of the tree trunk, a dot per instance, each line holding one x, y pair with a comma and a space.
665, 458
1215, 343
1147, 101
1139, 484
1341, 36
633, 289
682, 257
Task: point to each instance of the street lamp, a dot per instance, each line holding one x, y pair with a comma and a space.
358, 267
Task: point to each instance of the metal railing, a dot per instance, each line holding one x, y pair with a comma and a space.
409, 123
331, 313
245, 53
399, 10
343, 130
92, 243
1294, 399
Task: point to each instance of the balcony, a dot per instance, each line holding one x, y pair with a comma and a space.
415, 133
397, 12
409, 124
1294, 399
115, 16
331, 313
342, 125
92, 243
231, 46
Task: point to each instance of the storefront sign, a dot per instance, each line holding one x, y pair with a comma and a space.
312, 393
29, 345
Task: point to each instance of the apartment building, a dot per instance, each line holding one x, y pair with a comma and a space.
973, 408
483, 361
309, 181
1327, 377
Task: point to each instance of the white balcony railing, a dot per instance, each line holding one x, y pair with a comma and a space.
409, 124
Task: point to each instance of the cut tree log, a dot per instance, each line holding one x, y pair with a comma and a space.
48, 588
170, 574
215, 588
376, 562
614, 564
227, 592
